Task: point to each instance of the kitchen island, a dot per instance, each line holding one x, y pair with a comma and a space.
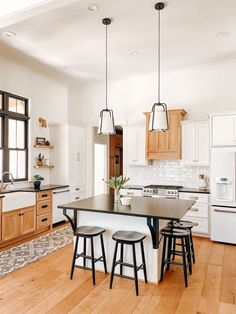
147, 215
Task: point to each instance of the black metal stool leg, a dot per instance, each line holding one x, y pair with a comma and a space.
163, 259
74, 257
184, 263
84, 252
121, 257
173, 249
92, 261
169, 252
192, 246
103, 254
188, 247
144, 262
113, 265
135, 269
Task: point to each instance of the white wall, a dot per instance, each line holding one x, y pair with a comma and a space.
48, 99
198, 90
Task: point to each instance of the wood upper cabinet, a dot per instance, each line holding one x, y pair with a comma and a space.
165, 145
17, 223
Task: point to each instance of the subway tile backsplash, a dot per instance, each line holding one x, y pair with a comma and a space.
166, 172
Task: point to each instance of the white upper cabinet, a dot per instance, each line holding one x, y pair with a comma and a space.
223, 130
134, 145
195, 143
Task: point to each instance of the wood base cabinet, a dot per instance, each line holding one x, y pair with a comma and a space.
18, 223
162, 145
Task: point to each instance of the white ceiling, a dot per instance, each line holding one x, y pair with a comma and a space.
71, 36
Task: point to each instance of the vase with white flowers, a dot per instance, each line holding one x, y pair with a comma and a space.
117, 183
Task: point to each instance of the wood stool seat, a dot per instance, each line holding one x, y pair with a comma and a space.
88, 231
175, 232
128, 236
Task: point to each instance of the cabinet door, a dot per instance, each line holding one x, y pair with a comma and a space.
223, 130
132, 146
10, 225
27, 220
76, 156
188, 144
165, 145
202, 144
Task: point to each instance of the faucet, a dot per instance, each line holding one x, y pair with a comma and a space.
2, 186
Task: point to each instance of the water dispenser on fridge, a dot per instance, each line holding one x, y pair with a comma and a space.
223, 189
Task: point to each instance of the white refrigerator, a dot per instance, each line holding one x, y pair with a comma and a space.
223, 195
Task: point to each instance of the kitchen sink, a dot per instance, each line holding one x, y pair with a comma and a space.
12, 201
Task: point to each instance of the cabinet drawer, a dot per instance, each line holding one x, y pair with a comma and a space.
130, 192
76, 196
202, 224
44, 221
41, 196
76, 188
198, 210
44, 207
198, 197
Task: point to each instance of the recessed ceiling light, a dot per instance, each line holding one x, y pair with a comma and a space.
134, 53
93, 7
223, 35
8, 34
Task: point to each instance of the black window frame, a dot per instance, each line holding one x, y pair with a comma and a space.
6, 114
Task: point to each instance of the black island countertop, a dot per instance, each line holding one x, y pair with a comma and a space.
153, 209
170, 209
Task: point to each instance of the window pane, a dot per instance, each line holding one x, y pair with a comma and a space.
21, 164
13, 163
0, 131
1, 101
12, 134
20, 128
20, 106
12, 104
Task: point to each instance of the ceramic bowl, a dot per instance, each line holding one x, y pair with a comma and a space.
126, 201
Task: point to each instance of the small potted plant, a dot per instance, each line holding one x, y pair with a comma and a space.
37, 181
117, 183
40, 159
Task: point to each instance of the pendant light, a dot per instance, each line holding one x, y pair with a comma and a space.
159, 115
106, 121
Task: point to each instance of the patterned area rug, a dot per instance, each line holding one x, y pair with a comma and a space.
26, 253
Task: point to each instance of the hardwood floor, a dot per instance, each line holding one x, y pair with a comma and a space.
45, 287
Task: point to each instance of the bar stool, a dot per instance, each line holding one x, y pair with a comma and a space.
185, 224
170, 235
88, 232
129, 238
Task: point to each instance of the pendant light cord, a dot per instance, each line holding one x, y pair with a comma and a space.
159, 57
106, 66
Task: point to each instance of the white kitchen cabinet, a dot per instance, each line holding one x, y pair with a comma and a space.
68, 156
195, 143
199, 212
134, 146
223, 130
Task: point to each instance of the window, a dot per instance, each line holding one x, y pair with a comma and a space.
14, 136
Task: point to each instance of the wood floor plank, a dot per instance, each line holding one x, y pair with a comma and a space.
44, 287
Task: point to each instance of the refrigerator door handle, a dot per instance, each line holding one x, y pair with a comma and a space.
224, 211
